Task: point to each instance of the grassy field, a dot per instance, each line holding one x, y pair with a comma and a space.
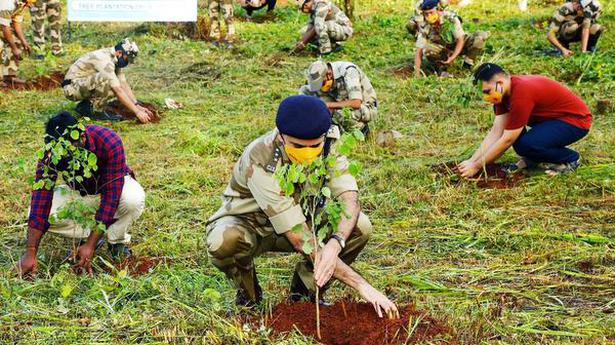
534, 264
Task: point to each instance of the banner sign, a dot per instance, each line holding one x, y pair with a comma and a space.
132, 10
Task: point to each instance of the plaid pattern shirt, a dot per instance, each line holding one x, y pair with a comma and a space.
107, 181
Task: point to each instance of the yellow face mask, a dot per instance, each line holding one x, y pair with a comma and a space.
327, 85
495, 96
304, 155
432, 18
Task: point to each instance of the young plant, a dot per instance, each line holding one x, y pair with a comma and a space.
308, 184
74, 164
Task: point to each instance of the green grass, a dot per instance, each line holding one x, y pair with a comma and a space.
532, 264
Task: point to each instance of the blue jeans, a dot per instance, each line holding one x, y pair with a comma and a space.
546, 142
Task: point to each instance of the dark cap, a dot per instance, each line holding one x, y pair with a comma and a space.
303, 117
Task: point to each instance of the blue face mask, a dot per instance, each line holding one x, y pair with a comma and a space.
122, 62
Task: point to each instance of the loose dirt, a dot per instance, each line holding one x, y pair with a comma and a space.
491, 178
405, 71
41, 83
351, 323
119, 109
137, 266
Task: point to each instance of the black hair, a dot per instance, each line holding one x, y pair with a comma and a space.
486, 71
58, 126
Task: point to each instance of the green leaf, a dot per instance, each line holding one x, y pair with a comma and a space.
297, 228
66, 290
326, 192
74, 134
354, 168
92, 160
307, 247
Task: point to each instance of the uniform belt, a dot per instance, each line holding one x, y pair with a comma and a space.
66, 82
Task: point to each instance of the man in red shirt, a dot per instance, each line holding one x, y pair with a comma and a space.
111, 187
556, 115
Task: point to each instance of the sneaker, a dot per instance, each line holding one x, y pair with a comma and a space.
85, 108
511, 168
106, 116
119, 251
565, 168
467, 66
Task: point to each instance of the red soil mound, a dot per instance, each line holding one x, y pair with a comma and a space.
120, 109
42, 83
491, 177
351, 323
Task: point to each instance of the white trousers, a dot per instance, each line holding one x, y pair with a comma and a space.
132, 203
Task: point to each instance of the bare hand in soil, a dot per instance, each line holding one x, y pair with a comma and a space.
84, 255
567, 52
379, 301
27, 264
468, 169
143, 114
326, 262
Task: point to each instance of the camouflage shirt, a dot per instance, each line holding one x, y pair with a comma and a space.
445, 32
350, 83
566, 13
254, 191
324, 11
99, 61
11, 11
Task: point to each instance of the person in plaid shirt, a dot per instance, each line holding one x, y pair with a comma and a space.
112, 186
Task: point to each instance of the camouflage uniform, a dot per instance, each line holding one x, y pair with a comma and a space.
437, 48
226, 6
331, 24
568, 25
349, 83
255, 215
93, 76
11, 11
50, 10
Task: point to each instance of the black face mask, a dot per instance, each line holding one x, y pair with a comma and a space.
121, 62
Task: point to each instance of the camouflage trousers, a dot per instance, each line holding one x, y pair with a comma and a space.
332, 33
95, 88
359, 117
472, 47
234, 241
10, 65
50, 10
226, 6
571, 32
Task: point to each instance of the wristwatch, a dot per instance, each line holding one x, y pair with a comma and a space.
339, 240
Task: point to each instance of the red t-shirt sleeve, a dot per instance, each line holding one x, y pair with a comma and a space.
521, 107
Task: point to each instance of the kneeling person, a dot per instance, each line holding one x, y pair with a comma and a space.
120, 197
343, 85
327, 27
256, 217
573, 22
441, 39
12, 40
556, 115
98, 77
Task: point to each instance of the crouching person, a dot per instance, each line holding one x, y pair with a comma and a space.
327, 27
256, 217
110, 185
554, 115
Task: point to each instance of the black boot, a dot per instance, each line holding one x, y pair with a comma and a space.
119, 251
85, 108
593, 40
298, 291
242, 299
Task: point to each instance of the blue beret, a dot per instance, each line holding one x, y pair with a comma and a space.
429, 4
303, 117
